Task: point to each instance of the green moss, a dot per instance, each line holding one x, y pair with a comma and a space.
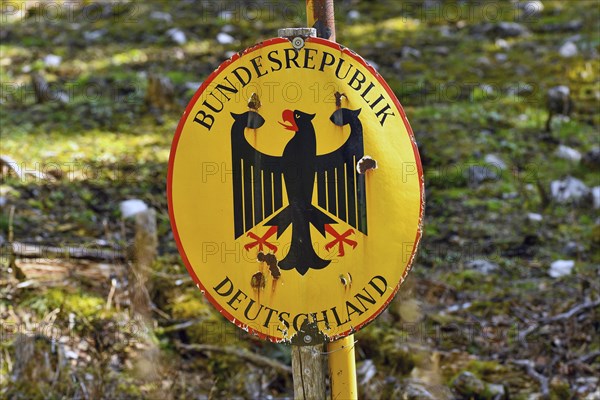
78, 302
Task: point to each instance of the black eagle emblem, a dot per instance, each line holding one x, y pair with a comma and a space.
258, 183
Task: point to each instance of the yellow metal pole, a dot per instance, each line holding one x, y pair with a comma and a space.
342, 369
342, 362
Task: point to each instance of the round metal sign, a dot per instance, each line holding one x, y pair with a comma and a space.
296, 191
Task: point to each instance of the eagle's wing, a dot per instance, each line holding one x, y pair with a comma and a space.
257, 177
340, 188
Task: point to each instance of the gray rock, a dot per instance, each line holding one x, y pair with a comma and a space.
177, 36
192, 85
596, 196
408, 51
572, 249
568, 50
92, 36
477, 174
353, 15
495, 161
501, 57
568, 190
534, 217
529, 9
52, 60
483, 266
568, 153
504, 29
414, 390
373, 64
469, 386
228, 28
161, 16
561, 268
225, 38
366, 371
132, 207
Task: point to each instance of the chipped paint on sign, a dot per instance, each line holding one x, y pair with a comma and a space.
296, 191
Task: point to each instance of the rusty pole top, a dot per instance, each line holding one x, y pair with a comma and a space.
319, 14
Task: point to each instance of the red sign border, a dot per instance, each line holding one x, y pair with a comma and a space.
188, 265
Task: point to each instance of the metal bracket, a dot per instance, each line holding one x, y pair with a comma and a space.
297, 35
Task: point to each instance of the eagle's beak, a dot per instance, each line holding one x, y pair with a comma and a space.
288, 116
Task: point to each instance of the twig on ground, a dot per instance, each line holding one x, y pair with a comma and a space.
530, 369
246, 355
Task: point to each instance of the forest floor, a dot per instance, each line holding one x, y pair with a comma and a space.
473, 79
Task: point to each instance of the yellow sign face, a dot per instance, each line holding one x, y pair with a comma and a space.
296, 191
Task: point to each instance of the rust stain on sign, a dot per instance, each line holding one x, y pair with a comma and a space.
258, 281
271, 261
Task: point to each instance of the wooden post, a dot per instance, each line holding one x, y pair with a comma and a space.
145, 250
308, 370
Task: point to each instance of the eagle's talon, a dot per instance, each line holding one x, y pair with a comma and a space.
340, 239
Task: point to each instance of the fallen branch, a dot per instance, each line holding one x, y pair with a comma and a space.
559, 317
573, 311
245, 354
587, 358
530, 369
179, 327
26, 250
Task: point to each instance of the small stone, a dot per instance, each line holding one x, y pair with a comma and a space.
596, 196
228, 28
495, 161
414, 390
366, 371
561, 268
353, 15
501, 57
92, 36
483, 266
535, 217
568, 190
177, 36
161, 16
572, 249
502, 44
131, 207
225, 38
501, 29
469, 386
568, 50
483, 60
477, 174
529, 9
70, 354
373, 64
568, 153
52, 60
408, 51
192, 85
